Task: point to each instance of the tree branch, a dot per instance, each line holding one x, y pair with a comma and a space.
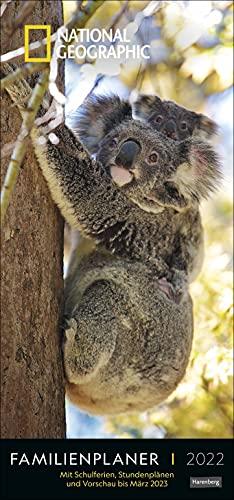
13, 24
22, 72
21, 142
78, 20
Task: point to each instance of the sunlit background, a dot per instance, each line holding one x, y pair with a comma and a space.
192, 63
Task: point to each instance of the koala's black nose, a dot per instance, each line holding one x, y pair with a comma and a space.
170, 130
127, 154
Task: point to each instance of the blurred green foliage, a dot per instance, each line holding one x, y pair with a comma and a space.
191, 46
191, 58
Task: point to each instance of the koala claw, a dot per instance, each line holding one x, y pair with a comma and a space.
172, 292
167, 288
179, 283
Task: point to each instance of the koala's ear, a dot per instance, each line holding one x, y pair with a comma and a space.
199, 172
207, 127
97, 117
145, 105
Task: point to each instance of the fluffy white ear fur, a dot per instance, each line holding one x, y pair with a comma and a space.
200, 174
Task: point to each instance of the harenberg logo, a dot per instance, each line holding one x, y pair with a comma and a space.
87, 43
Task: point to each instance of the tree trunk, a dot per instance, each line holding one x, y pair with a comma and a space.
32, 389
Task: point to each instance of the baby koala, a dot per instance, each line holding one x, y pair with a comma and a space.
174, 121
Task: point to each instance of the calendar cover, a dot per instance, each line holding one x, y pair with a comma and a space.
116, 261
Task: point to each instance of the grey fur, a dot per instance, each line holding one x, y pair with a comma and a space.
180, 124
129, 324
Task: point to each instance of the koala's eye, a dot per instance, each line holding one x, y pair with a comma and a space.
183, 125
153, 158
158, 119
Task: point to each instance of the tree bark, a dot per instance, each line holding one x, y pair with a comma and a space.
32, 388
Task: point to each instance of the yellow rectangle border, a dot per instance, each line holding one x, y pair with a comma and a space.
27, 29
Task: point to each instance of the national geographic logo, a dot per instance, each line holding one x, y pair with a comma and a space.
87, 44
34, 27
